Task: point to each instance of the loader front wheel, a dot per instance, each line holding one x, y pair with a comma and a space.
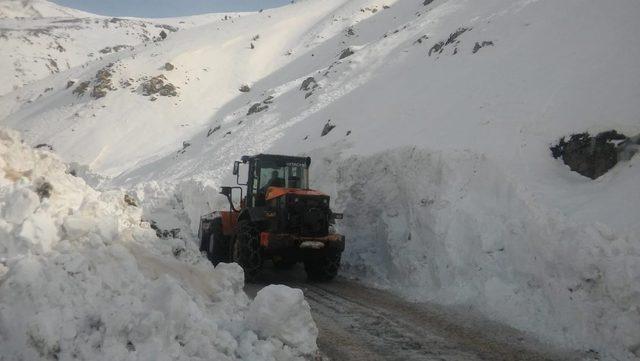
218, 244
322, 267
246, 250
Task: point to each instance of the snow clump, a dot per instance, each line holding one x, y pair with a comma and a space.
282, 312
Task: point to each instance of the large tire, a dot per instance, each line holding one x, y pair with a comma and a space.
205, 235
218, 244
322, 266
246, 250
283, 264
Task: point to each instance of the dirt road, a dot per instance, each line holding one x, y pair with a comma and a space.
360, 323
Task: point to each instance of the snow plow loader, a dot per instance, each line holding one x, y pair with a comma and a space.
278, 219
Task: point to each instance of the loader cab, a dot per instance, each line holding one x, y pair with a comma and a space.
269, 170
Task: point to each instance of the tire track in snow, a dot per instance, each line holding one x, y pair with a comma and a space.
360, 323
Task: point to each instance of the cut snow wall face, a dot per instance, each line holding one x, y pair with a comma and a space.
455, 229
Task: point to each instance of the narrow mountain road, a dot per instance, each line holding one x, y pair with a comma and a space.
360, 323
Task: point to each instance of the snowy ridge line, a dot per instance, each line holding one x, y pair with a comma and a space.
82, 277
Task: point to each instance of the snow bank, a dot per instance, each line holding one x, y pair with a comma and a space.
455, 228
81, 277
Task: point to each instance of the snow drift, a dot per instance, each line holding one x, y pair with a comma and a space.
81, 277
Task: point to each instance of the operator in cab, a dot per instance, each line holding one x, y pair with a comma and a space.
274, 181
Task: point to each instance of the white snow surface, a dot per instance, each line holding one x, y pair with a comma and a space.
35, 9
82, 278
440, 162
282, 312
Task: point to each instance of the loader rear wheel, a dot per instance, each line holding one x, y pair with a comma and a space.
322, 267
280, 263
218, 244
246, 250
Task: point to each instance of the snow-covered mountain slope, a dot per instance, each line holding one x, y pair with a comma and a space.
39, 38
82, 278
208, 65
442, 112
36, 9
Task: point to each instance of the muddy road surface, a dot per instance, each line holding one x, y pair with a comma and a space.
361, 323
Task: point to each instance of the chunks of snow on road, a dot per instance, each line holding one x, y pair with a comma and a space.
282, 312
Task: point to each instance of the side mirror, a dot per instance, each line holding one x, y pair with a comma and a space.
225, 191
228, 192
236, 167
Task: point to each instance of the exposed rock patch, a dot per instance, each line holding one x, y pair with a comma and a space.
102, 82
44, 189
130, 200
114, 49
309, 85
170, 28
159, 85
591, 156
346, 53
45, 146
451, 41
481, 45
421, 39
256, 108
244, 88
262, 106
81, 88
185, 145
165, 233
213, 130
327, 128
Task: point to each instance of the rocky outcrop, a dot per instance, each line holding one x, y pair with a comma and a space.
258, 107
453, 40
327, 128
592, 156
345, 53
309, 85
102, 82
81, 88
159, 85
480, 45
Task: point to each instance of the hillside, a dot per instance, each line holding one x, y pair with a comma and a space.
36, 9
428, 122
39, 39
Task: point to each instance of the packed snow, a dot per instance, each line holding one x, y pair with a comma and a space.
81, 277
429, 123
279, 311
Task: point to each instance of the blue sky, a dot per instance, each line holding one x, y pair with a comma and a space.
167, 8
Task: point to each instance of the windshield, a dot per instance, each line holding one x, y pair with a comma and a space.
280, 175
